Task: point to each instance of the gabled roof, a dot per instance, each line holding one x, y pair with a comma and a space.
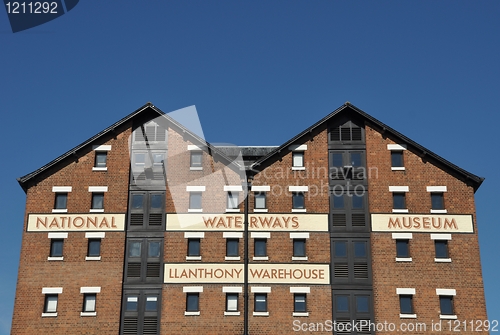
355, 112
139, 114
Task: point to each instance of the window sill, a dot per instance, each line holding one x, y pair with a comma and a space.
400, 210
99, 169
233, 258
398, 168
232, 313
439, 211
260, 258
447, 317
49, 315
299, 210
442, 260
192, 313
96, 210
403, 259
232, 210
300, 314
407, 316
93, 258
298, 168
260, 313
88, 313
295, 258
260, 210
193, 258
195, 210
55, 258
196, 168
65, 210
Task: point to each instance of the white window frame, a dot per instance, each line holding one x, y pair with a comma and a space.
232, 235
300, 236
94, 235
97, 189
437, 189
260, 235
406, 291
101, 148
446, 237
298, 149
403, 236
51, 290
397, 147
231, 289
57, 236
193, 289
446, 292
192, 234
61, 189
92, 290
400, 189
299, 189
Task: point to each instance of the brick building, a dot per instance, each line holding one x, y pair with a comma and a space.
146, 228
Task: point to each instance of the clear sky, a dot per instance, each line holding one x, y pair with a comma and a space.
258, 72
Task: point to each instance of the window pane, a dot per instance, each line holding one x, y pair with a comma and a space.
61, 200
357, 201
260, 200
406, 304
89, 303
298, 200
260, 247
342, 302
192, 302
398, 200
338, 201
51, 303
94, 248
232, 200
231, 302
299, 248
232, 247
402, 248
441, 248
154, 249
56, 248
156, 201
140, 159
260, 303
131, 304
337, 160
97, 200
151, 303
300, 302
397, 158
194, 247
359, 249
340, 249
157, 159
196, 157
137, 201
437, 201
362, 305
298, 159
195, 200
101, 158
134, 249
446, 305
356, 159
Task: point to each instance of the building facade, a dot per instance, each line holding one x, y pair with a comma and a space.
347, 228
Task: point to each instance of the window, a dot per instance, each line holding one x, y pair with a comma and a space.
151, 304
406, 304
260, 302
437, 201
196, 160
232, 247
56, 247
94, 247
50, 305
298, 200
101, 158
446, 304
61, 201
193, 247
299, 247
299, 302
192, 302
441, 247
398, 200
347, 132
233, 200
260, 247
131, 304
298, 159
397, 159
97, 201
89, 302
402, 248
260, 200
342, 303
362, 304
231, 302
194, 200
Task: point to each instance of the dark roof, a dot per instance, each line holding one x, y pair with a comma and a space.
139, 114
353, 111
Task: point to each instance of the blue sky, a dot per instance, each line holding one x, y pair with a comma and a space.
258, 72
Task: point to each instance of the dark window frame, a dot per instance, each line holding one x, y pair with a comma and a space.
194, 163
298, 196
298, 154
403, 248
399, 200
98, 161
192, 203
231, 196
449, 307
232, 295
260, 194
441, 249
60, 199
397, 158
437, 200
86, 297
299, 247
261, 242
298, 306
406, 304
94, 201
260, 306
54, 243
46, 303
229, 252
91, 245
192, 298
193, 247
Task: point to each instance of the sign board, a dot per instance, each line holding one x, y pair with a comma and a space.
423, 223
76, 222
